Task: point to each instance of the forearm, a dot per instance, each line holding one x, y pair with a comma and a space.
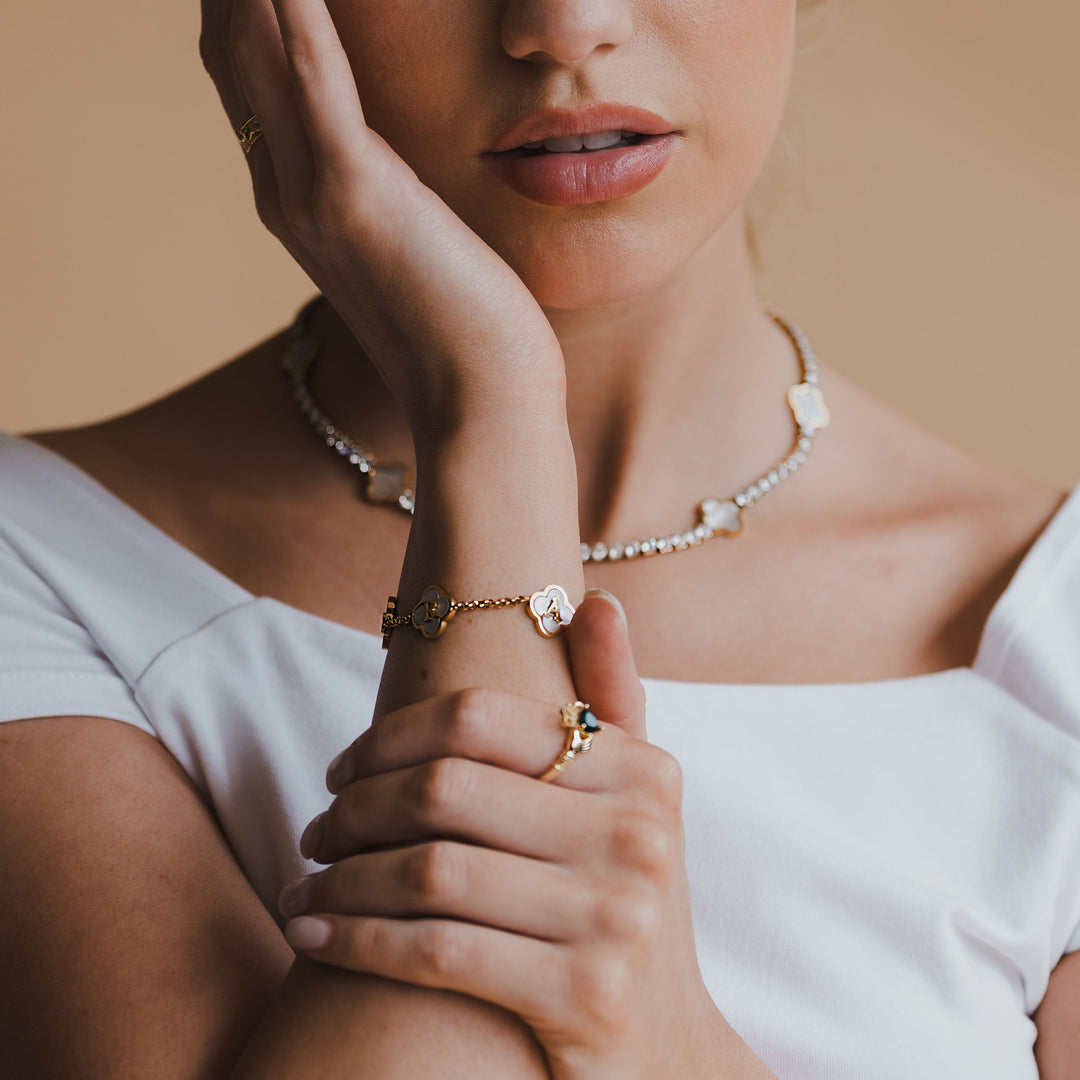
325, 1022
497, 516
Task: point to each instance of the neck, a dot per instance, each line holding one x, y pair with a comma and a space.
672, 396
675, 395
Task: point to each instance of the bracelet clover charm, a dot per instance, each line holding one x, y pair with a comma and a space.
550, 609
435, 610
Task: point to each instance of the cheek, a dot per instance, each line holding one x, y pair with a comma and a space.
741, 54
410, 61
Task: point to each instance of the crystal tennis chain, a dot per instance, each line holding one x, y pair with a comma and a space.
388, 484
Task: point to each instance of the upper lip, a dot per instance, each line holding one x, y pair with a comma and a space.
553, 122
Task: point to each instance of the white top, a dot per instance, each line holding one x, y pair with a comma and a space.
883, 874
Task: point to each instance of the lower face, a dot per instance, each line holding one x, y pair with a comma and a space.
443, 80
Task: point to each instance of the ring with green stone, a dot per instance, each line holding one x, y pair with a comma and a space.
581, 725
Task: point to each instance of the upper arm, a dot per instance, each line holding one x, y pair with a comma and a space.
132, 944
1057, 1019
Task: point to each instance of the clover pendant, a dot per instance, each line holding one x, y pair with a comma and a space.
808, 407
721, 516
552, 610
386, 483
435, 610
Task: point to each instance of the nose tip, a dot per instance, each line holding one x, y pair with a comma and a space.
564, 31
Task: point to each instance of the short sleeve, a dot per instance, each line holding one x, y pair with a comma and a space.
1033, 652
50, 665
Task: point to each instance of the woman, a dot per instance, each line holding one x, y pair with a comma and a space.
862, 700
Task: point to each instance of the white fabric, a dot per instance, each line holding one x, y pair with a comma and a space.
883, 874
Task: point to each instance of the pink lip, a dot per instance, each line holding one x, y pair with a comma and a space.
581, 178
575, 179
552, 123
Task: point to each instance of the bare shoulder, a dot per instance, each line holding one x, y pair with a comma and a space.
952, 527
133, 945
228, 468
924, 477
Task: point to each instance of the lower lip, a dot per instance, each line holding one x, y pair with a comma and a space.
576, 179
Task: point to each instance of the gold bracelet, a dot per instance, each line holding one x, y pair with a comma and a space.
550, 609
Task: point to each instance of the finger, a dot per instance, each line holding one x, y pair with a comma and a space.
449, 880
216, 55
455, 799
263, 71
519, 973
216, 47
602, 663
328, 102
482, 725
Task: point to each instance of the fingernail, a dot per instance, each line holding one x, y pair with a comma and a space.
341, 773
306, 934
613, 600
294, 897
312, 835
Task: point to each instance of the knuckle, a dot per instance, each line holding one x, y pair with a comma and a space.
241, 33
304, 59
362, 940
442, 786
339, 825
441, 950
469, 719
373, 746
210, 52
642, 845
627, 917
667, 778
436, 873
601, 982
268, 208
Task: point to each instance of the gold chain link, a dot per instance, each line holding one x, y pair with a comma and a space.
478, 605
435, 608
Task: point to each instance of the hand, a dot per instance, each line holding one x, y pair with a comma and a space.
445, 321
565, 902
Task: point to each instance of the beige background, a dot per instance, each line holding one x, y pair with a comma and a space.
921, 217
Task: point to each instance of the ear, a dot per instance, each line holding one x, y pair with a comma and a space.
602, 663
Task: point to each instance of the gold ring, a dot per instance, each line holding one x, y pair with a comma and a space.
581, 725
249, 133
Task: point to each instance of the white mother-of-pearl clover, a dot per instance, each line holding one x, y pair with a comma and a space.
808, 407
552, 610
721, 516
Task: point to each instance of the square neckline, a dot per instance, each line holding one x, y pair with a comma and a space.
234, 596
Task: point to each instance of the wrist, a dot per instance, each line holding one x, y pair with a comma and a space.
520, 440
515, 410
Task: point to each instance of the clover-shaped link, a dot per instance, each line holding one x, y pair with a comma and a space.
808, 407
552, 610
435, 610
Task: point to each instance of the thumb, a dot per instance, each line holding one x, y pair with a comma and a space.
602, 663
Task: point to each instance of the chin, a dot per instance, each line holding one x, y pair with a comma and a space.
590, 259
594, 283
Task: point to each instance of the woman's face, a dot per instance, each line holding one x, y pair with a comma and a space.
444, 80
